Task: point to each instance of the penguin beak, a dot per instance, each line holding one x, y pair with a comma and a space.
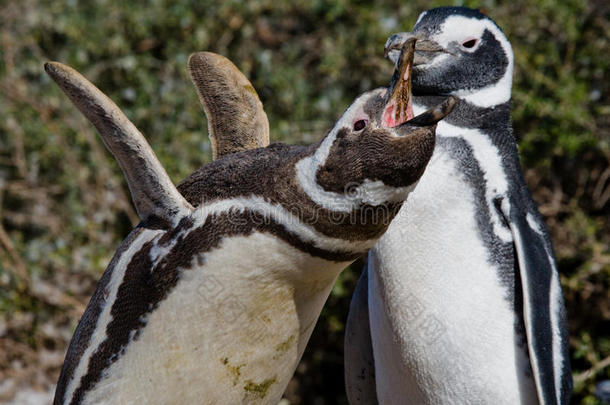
398, 108
425, 49
433, 115
426, 122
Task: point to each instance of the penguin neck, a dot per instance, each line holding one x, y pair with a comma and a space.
490, 119
268, 178
360, 210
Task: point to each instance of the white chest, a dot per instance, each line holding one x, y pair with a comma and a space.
231, 331
442, 329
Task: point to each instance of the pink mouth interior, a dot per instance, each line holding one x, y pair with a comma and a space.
389, 114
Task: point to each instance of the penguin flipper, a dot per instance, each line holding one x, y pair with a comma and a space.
152, 191
543, 308
236, 118
359, 359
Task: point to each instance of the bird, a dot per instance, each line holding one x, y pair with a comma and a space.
460, 301
213, 296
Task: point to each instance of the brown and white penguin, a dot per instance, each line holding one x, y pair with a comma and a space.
212, 297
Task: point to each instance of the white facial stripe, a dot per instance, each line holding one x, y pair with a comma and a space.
369, 192
307, 169
99, 333
376, 192
489, 161
457, 28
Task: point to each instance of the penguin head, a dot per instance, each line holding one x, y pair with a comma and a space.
363, 161
363, 149
378, 140
460, 52
377, 150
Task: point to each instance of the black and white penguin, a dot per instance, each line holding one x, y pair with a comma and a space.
460, 301
213, 296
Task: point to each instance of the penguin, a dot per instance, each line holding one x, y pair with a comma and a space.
213, 296
460, 300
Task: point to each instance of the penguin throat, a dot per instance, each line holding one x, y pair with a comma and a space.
395, 114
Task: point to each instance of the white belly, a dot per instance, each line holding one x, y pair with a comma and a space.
442, 329
231, 331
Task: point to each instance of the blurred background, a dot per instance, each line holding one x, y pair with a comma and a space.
64, 206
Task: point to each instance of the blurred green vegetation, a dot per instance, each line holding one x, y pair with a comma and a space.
64, 205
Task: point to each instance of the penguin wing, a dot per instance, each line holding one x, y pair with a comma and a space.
543, 308
236, 119
152, 190
358, 353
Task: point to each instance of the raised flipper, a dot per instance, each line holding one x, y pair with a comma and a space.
543, 307
358, 357
152, 191
236, 119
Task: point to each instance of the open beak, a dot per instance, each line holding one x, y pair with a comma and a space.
425, 49
435, 114
398, 108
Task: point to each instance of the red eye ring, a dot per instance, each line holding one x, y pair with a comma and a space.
359, 125
469, 43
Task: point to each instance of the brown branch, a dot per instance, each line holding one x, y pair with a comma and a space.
18, 268
601, 192
585, 375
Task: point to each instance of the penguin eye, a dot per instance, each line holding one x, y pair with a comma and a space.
469, 43
359, 125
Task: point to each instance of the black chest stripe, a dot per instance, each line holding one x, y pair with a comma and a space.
87, 324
